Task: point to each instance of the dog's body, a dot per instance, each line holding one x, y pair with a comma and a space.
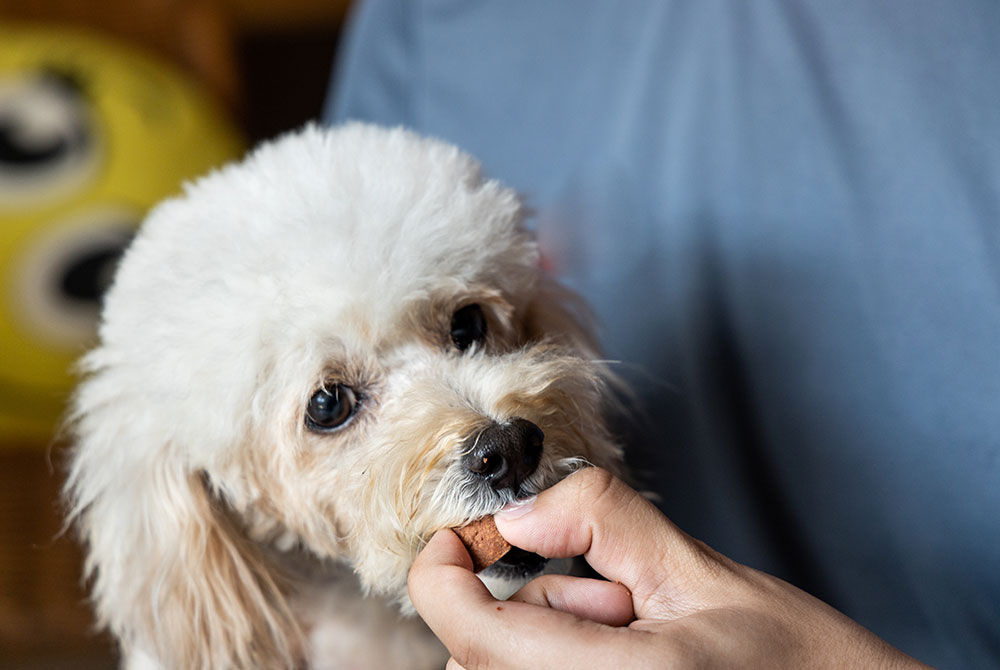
309, 363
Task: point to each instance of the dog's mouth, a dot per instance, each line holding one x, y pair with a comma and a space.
517, 564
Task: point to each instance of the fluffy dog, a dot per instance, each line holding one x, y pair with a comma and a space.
309, 363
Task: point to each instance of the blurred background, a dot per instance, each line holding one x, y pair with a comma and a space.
106, 107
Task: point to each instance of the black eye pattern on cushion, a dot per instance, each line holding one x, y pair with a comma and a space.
468, 326
331, 408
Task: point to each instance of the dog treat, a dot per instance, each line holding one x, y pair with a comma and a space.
484, 542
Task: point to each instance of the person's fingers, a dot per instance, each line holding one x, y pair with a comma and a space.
622, 535
453, 665
594, 599
478, 630
444, 565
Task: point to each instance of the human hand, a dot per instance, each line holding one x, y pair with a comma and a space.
671, 602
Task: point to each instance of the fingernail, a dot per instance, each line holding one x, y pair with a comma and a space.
516, 509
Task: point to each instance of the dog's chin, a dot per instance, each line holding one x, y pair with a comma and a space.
504, 579
517, 564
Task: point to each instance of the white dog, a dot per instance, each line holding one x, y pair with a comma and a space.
309, 363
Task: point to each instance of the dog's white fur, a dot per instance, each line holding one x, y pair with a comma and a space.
223, 532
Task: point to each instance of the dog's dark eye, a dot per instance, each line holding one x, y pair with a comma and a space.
468, 326
330, 408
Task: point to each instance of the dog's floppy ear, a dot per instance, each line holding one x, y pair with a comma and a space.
171, 578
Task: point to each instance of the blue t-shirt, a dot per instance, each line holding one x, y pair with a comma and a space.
786, 214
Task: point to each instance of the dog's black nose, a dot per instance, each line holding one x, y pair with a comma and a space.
506, 454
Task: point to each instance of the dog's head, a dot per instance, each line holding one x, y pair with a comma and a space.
338, 346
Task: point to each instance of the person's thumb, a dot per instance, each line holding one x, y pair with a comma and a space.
620, 533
